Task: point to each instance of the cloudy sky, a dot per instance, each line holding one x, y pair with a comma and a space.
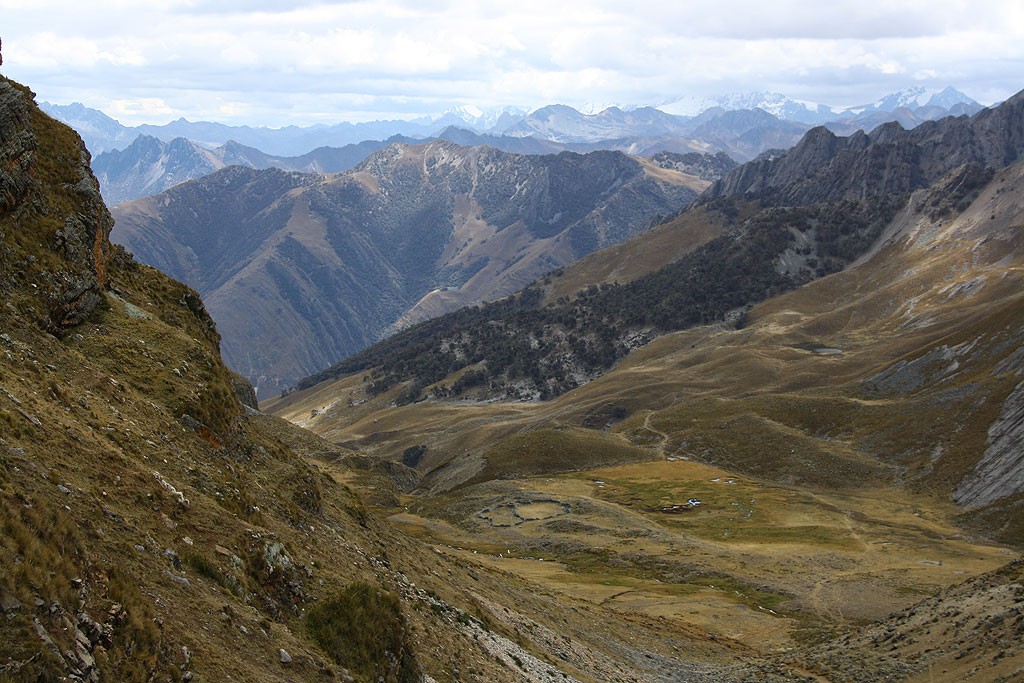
275, 63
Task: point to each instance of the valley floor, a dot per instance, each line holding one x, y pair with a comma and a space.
714, 575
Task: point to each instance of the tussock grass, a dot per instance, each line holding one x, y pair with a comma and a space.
362, 628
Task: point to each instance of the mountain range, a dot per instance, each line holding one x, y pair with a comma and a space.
740, 126
300, 270
948, 101
822, 486
149, 165
556, 122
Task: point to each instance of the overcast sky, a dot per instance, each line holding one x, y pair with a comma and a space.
263, 62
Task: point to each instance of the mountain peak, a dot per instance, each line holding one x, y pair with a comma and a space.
949, 97
914, 97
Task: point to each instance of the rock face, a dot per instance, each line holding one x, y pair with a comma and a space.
17, 146
1000, 472
300, 270
824, 167
61, 292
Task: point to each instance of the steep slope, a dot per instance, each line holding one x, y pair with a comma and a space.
136, 545
300, 270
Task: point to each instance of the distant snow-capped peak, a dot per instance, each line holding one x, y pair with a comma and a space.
478, 118
914, 97
776, 104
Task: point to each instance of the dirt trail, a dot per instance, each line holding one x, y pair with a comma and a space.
817, 599
648, 427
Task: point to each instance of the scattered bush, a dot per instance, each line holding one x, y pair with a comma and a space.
363, 629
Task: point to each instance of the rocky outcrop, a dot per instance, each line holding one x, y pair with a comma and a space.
1000, 472
58, 194
17, 146
244, 391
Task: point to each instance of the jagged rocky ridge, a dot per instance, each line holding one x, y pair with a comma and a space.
890, 159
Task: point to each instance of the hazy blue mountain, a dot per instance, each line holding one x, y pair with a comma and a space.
557, 122
97, 130
149, 165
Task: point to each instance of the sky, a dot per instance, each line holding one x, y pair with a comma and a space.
275, 63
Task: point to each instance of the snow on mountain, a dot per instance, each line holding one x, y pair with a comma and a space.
472, 116
915, 97
776, 104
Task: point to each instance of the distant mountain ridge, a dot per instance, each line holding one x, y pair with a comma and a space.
300, 270
149, 165
949, 100
102, 133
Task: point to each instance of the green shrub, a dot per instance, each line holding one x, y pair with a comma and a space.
362, 628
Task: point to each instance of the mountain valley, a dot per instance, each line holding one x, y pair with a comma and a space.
779, 437
775, 482
766, 483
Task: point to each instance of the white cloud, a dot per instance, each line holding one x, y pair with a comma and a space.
131, 110
268, 62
